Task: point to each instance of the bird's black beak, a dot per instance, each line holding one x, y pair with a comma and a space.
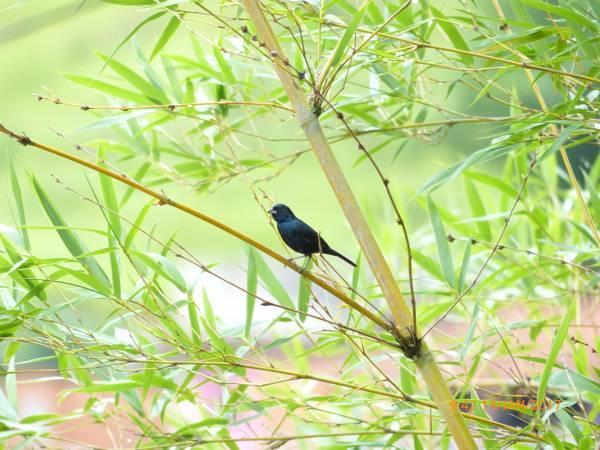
271, 211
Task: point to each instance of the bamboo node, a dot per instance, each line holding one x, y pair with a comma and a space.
410, 343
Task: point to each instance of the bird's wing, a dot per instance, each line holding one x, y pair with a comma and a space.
310, 238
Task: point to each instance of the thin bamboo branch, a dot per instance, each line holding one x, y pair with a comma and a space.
401, 313
164, 200
309, 436
170, 106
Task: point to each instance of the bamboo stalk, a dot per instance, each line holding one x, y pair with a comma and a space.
401, 313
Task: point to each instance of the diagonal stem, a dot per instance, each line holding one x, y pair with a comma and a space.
373, 254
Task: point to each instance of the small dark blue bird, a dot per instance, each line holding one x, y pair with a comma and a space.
299, 236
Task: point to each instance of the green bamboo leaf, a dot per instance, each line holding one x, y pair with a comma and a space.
442, 244
554, 441
521, 12
148, 70
115, 267
138, 176
118, 119
90, 282
11, 350
173, 77
135, 228
271, 282
194, 321
6, 409
343, 43
558, 143
407, 377
224, 66
40, 288
78, 370
465, 267
428, 264
132, 33
226, 435
470, 332
148, 376
375, 13
146, 88
55, 418
432, 312
565, 377
16, 190
514, 40
479, 157
453, 34
110, 386
356, 276
235, 396
210, 325
166, 35
199, 427
569, 424
111, 214
478, 209
109, 89
209, 316
493, 182
388, 79
453, 221
161, 4
568, 13
19, 270
251, 285
158, 381
111, 203
9, 324
163, 266
10, 383
304, 293
131, 2
559, 339
69, 237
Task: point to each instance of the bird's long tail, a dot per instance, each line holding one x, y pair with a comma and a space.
339, 255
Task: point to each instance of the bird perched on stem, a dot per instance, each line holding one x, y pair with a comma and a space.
299, 236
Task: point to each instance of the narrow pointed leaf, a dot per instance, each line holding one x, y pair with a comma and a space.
251, 285
442, 244
166, 35
69, 237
